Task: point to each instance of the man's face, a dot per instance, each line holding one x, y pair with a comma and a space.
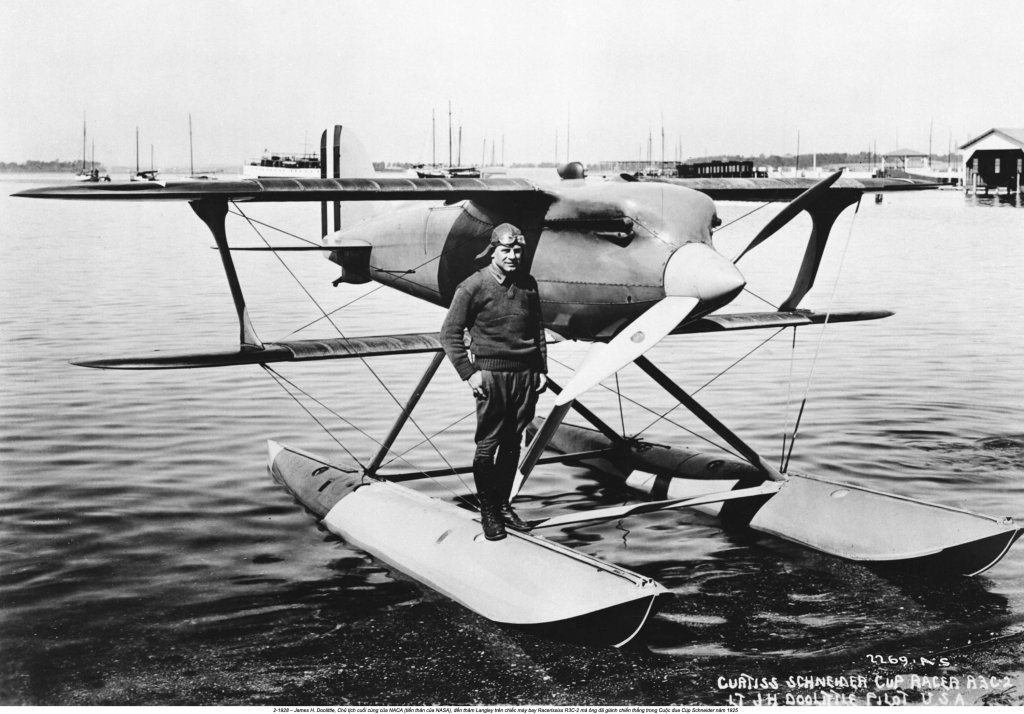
507, 258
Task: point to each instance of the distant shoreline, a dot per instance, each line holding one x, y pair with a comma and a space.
53, 167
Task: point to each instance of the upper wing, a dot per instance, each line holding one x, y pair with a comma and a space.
289, 189
785, 189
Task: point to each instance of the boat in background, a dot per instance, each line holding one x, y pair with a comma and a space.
144, 174
424, 171
280, 165
203, 176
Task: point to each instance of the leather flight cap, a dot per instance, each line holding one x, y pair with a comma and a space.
504, 234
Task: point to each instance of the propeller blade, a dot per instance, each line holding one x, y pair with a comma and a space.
791, 210
696, 277
606, 514
537, 446
604, 360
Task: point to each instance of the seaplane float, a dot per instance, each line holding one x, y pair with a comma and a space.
621, 264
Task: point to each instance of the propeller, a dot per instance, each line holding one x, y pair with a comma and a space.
696, 279
791, 210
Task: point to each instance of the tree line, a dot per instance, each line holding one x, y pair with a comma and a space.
35, 166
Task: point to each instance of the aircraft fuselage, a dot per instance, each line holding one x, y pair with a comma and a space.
598, 251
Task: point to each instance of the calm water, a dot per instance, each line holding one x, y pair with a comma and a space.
148, 558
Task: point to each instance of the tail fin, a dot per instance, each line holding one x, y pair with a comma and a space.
341, 156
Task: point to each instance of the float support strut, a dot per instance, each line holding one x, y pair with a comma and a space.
414, 398
708, 418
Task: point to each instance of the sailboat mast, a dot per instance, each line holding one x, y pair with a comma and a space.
433, 138
136, 150
449, 133
931, 125
191, 165
662, 167
83, 142
567, 125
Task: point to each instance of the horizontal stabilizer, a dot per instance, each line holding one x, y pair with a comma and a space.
296, 351
758, 320
291, 189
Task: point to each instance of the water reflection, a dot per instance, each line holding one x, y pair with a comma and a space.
995, 200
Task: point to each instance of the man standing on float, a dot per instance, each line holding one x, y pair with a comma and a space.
505, 366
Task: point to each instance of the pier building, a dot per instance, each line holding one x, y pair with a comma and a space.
994, 160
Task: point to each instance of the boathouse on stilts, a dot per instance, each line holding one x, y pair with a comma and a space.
994, 161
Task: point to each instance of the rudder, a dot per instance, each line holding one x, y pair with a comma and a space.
342, 155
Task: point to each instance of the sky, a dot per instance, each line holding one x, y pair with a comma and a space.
594, 80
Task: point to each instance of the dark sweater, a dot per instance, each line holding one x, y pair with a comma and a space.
504, 323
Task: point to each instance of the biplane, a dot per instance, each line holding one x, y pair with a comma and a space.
621, 264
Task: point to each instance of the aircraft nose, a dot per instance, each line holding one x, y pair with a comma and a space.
698, 270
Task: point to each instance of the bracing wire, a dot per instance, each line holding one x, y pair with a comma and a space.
789, 393
618, 393
282, 381
342, 334
436, 434
713, 379
395, 279
766, 301
821, 337
279, 230
748, 213
634, 402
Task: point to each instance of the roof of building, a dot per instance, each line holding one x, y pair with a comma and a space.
1015, 136
906, 152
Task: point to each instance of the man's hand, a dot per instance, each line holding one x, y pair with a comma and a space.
476, 383
540, 382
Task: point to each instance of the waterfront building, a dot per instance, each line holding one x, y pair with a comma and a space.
994, 160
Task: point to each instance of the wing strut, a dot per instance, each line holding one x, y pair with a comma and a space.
823, 204
823, 215
213, 213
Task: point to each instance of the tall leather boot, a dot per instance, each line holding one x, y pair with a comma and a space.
490, 518
505, 467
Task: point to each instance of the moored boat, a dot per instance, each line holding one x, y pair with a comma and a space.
423, 171
280, 165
